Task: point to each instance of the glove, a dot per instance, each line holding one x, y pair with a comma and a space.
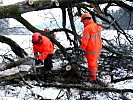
38, 61
36, 55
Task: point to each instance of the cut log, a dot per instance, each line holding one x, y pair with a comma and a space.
16, 63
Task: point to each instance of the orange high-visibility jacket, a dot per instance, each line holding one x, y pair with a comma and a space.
45, 47
91, 39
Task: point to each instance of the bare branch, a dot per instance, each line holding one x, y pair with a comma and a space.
85, 87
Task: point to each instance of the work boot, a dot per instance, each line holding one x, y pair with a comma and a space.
93, 77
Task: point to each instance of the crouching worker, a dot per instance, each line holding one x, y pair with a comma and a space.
43, 50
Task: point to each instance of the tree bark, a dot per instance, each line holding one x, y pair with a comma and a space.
15, 63
14, 46
86, 87
10, 11
14, 76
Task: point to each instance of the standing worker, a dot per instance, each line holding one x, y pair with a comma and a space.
43, 50
91, 43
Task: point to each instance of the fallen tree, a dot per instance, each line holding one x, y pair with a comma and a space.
112, 57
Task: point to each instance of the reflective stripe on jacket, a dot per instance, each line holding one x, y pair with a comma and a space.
45, 47
91, 39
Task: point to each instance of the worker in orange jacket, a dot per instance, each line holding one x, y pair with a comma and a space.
43, 50
91, 43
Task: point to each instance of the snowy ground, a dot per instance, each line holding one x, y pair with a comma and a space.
9, 92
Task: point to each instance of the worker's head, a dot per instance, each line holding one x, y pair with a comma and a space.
36, 38
85, 16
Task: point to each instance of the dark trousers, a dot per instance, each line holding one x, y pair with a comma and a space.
48, 65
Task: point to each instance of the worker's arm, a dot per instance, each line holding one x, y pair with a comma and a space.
85, 39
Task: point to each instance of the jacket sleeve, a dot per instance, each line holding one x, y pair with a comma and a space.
43, 56
85, 38
45, 52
